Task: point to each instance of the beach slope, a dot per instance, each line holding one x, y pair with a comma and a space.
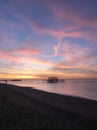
25, 108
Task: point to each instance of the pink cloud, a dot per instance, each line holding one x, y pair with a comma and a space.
74, 57
26, 52
5, 55
70, 13
74, 53
26, 60
69, 32
66, 32
58, 14
56, 48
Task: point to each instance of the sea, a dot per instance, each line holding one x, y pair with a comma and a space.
85, 88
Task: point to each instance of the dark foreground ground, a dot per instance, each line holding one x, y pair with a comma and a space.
23, 108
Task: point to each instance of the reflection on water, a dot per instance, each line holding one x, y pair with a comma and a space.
82, 88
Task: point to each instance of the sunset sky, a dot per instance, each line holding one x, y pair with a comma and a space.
41, 38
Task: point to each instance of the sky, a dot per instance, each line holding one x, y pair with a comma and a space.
42, 38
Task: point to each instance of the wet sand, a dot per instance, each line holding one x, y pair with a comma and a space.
25, 108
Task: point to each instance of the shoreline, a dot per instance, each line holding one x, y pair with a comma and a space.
27, 108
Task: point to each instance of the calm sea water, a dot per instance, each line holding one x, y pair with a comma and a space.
80, 88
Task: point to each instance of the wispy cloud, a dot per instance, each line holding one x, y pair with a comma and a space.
51, 35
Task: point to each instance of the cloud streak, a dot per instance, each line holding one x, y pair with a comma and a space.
55, 36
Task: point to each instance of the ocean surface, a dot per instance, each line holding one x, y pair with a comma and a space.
80, 88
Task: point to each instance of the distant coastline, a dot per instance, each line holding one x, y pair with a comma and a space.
16, 80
